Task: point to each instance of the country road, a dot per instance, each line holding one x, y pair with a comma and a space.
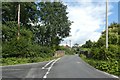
68, 66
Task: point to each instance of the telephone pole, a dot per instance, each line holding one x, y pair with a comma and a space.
106, 24
18, 34
70, 42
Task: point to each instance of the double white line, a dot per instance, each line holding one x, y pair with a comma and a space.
53, 62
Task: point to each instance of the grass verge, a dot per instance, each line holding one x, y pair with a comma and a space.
14, 60
111, 67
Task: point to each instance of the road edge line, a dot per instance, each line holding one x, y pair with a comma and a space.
107, 74
45, 76
48, 64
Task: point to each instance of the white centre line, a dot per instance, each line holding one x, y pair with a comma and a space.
48, 64
45, 76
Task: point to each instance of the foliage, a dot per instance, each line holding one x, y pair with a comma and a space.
24, 47
111, 67
102, 58
100, 42
43, 25
69, 51
88, 44
14, 60
95, 53
9, 31
54, 24
50, 20
28, 12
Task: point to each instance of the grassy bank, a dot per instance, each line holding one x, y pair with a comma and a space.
14, 60
111, 67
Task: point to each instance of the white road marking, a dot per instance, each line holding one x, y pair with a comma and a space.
108, 74
78, 62
45, 76
48, 64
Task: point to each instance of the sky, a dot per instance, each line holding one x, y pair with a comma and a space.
88, 18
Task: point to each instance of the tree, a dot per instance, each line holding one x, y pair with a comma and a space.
52, 16
28, 12
88, 44
56, 24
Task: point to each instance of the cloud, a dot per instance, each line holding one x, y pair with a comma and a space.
88, 18
89, 0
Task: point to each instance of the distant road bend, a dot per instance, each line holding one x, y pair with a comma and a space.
68, 66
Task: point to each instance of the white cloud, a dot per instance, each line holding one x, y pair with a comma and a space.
87, 18
89, 0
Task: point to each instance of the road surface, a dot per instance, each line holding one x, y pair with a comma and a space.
68, 66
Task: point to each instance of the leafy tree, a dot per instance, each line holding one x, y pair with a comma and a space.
9, 31
101, 42
112, 52
55, 22
28, 12
88, 44
52, 15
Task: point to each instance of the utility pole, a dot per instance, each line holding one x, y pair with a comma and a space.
70, 42
106, 24
18, 34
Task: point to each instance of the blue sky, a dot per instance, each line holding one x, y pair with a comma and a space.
89, 19
114, 16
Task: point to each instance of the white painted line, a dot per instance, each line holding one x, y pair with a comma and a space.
78, 62
108, 74
45, 76
48, 64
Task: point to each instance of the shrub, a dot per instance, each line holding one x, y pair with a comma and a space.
69, 51
94, 53
113, 39
108, 66
114, 51
16, 48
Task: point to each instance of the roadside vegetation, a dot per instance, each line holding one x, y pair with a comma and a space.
42, 27
96, 54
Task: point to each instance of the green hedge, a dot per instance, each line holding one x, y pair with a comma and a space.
14, 60
111, 66
24, 46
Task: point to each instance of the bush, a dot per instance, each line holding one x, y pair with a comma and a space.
46, 52
94, 53
114, 51
111, 66
82, 56
113, 39
24, 47
69, 51
16, 48
14, 60
102, 53
108, 66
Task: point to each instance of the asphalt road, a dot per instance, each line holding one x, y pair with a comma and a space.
69, 66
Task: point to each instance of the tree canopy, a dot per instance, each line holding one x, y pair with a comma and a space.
50, 20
